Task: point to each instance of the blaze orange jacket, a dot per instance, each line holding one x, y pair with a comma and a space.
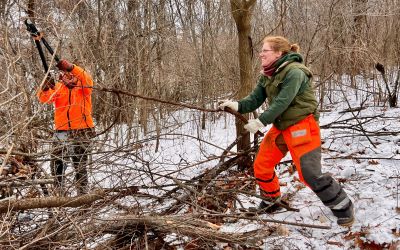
73, 107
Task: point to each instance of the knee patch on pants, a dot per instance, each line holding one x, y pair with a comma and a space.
310, 166
328, 190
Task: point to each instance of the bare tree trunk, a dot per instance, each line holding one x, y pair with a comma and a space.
241, 11
358, 38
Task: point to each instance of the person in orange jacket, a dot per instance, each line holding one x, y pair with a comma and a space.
73, 122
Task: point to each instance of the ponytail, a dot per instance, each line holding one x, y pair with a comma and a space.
294, 47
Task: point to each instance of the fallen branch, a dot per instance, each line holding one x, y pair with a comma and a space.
361, 158
257, 218
181, 225
352, 110
48, 202
203, 181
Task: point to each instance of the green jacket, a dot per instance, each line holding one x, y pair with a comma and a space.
289, 92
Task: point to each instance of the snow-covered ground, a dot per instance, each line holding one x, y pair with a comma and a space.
368, 173
363, 159
366, 165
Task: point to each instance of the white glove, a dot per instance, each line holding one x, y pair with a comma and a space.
254, 125
228, 103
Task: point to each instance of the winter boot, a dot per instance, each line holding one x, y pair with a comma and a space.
346, 218
271, 205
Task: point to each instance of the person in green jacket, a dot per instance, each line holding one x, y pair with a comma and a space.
292, 110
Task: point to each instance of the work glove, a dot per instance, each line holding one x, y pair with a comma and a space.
64, 65
69, 80
254, 125
48, 84
228, 103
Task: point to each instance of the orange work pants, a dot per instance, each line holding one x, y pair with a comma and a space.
299, 139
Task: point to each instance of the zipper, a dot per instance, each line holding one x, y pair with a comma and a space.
69, 106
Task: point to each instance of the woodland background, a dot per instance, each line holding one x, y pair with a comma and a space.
194, 52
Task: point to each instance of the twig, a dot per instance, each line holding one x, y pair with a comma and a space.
397, 191
355, 117
229, 110
6, 158
361, 158
11, 99
22, 183
279, 203
44, 237
243, 216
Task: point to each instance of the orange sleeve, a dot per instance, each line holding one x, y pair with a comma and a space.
46, 96
84, 77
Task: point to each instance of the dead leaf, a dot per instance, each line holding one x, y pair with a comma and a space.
282, 230
323, 219
213, 226
373, 162
334, 243
396, 232
292, 169
299, 186
361, 242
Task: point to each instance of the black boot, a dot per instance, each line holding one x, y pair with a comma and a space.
271, 205
345, 217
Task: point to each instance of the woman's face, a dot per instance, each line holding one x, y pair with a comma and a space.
268, 55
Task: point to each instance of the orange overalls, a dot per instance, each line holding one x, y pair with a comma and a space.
303, 142
299, 139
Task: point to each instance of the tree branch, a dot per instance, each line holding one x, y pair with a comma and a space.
47, 202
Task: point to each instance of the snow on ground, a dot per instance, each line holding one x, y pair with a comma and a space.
368, 172
370, 178
367, 167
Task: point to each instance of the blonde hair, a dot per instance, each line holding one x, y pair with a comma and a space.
279, 43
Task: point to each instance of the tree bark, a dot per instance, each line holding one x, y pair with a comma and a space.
241, 11
47, 202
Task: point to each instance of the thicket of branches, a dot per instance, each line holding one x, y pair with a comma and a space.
187, 51
178, 51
